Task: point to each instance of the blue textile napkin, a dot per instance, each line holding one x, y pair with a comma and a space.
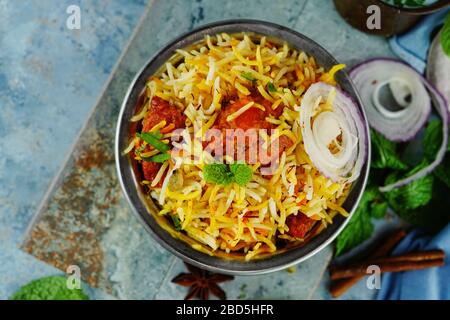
413, 45
429, 284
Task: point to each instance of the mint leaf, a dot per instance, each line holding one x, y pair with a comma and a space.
406, 3
360, 227
217, 173
221, 174
434, 216
445, 36
49, 288
242, 173
414, 195
432, 139
384, 153
378, 209
415, 3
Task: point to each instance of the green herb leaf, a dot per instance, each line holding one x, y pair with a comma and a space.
432, 139
416, 202
162, 157
407, 3
433, 216
176, 222
217, 173
416, 194
384, 153
378, 209
248, 76
360, 227
152, 138
220, 173
49, 288
415, 3
445, 36
271, 87
242, 173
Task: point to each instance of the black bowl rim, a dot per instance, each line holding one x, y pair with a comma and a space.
178, 247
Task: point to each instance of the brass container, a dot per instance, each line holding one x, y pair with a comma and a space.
394, 20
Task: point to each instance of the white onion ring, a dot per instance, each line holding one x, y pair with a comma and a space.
438, 68
318, 127
390, 66
402, 125
441, 106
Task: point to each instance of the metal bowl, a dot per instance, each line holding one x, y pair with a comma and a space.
147, 211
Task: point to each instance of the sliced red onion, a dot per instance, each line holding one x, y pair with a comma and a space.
408, 91
382, 69
322, 126
441, 107
438, 68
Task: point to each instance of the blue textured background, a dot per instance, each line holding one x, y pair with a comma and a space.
50, 79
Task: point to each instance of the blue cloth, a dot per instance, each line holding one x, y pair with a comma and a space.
427, 284
433, 283
413, 45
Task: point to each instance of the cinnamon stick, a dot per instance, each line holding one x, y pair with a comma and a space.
413, 256
388, 264
339, 287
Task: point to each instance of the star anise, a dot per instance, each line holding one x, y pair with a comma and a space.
201, 283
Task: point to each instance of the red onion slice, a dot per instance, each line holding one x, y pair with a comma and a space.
408, 91
441, 107
382, 69
343, 125
438, 68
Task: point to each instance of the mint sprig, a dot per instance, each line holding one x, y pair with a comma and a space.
360, 227
384, 154
412, 196
420, 202
49, 288
222, 174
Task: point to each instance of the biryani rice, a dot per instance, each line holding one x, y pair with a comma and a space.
248, 220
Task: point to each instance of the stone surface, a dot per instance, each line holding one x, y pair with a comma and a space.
50, 78
284, 285
123, 259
